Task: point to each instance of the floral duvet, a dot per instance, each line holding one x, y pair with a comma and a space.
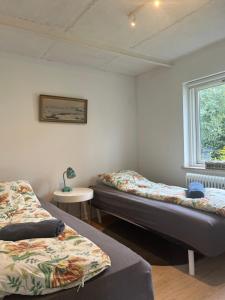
134, 183
42, 266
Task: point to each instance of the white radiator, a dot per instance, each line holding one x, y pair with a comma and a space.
208, 181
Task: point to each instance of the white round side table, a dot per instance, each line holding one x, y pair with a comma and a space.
77, 195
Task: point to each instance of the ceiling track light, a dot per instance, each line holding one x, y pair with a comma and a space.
132, 20
132, 14
157, 3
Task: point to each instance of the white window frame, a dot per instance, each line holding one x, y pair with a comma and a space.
192, 144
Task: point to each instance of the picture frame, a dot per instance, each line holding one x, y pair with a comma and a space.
62, 109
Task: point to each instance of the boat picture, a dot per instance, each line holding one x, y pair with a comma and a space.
62, 109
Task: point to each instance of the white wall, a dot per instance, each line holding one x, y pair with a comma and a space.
160, 116
40, 152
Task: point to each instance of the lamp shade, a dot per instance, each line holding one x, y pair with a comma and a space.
70, 173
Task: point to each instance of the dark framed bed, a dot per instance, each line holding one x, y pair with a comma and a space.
129, 277
198, 230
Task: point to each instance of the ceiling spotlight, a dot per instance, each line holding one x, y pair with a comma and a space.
132, 20
157, 3
133, 24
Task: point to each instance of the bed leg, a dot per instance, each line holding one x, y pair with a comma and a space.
99, 216
191, 262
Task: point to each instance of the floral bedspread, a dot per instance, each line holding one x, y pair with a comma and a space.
134, 183
42, 266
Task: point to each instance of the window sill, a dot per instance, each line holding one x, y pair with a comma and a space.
202, 168
194, 167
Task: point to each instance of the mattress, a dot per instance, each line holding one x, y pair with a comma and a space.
199, 230
129, 277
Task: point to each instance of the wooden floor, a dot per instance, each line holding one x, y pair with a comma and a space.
174, 283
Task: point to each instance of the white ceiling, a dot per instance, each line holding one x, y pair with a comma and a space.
97, 32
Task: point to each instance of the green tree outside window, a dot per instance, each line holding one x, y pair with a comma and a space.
212, 122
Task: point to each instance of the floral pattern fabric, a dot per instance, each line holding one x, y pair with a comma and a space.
42, 266
134, 183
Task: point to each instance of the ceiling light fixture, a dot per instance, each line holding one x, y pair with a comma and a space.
133, 13
132, 20
157, 3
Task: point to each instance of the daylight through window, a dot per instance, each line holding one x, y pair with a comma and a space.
204, 120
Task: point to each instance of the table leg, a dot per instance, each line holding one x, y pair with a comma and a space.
90, 212
85, 211
81, 210
99, 215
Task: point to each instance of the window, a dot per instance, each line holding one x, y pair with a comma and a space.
204, 120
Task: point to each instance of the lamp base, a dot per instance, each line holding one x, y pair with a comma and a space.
67, 189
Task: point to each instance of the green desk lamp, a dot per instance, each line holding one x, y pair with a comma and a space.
70, 173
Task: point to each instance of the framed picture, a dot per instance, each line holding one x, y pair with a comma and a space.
62, 109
